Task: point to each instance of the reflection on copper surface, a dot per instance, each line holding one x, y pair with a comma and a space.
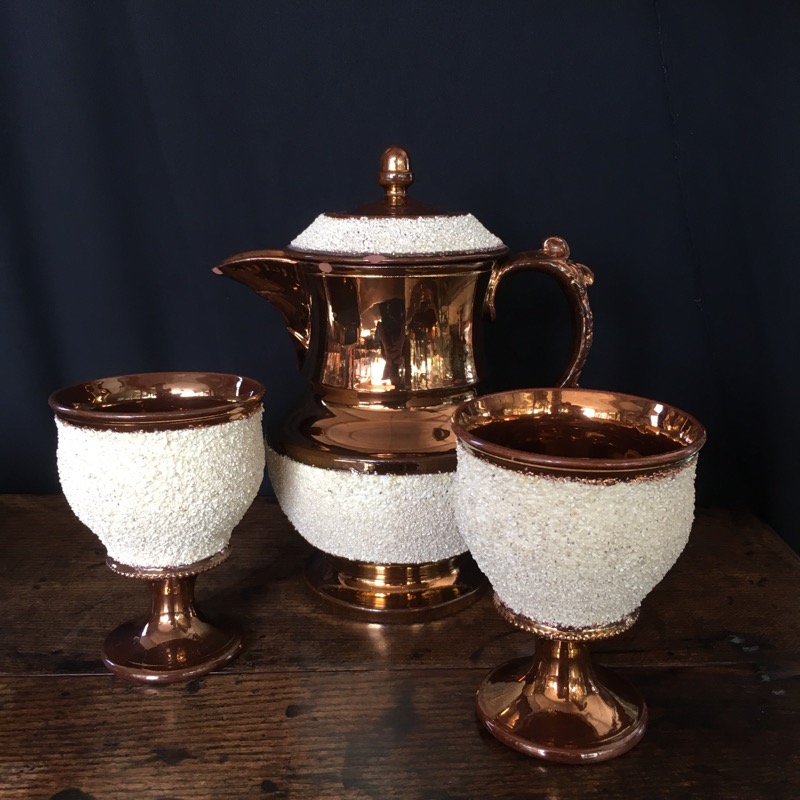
558, 705
395, 592
398, 333
158, 400
173, 643
395, 175
569, 418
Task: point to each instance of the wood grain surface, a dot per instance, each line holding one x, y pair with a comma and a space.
322, 707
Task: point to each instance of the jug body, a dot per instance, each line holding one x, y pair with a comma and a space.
401, 335
386, 308
392, 351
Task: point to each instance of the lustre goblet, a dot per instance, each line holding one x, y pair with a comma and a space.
162, 466
574, 503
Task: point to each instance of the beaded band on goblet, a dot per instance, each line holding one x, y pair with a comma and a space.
575, 503
161, 467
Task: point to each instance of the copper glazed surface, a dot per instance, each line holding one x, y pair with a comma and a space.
558, 705
572, 416
388, 593
158, 401
392, 344
174, 643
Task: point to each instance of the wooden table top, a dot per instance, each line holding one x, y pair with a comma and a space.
322, 707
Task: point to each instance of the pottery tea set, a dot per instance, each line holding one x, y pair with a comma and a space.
573, 502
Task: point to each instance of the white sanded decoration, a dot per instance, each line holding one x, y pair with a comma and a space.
396, 236
568, 552
386, 519
138, 490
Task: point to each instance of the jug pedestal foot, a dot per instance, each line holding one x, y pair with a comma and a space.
395, 593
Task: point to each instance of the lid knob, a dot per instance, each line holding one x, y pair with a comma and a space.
395, 174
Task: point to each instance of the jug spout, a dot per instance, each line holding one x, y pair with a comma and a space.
276, 276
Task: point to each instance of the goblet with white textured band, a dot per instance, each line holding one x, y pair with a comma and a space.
161, 467
575, 503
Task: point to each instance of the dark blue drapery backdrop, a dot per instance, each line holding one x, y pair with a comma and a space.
142, 142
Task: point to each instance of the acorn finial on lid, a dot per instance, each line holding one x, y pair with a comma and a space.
395, 174
396, 225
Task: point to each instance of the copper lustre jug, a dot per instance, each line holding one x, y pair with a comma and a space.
385, 306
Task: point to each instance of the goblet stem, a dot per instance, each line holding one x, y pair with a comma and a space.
174, 643
173, 608
560, 706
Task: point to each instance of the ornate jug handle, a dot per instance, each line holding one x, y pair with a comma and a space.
573, 278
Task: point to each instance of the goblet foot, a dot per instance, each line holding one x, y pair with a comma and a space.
577, 718
388, 593
559, 706
135, 655
174, 644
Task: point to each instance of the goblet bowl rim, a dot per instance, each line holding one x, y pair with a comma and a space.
468, 434
89, 403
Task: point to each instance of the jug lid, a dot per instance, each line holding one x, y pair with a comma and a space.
396, 226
